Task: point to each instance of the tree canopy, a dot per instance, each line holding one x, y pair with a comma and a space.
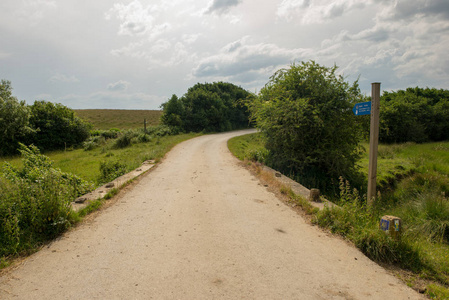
47, 125
14, 120
305, 113
414, 115
208, 107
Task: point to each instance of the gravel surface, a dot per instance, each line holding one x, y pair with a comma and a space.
199, 226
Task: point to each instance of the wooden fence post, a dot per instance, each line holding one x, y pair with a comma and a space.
373, 141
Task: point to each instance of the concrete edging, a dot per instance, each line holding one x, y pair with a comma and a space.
298, 189
99, 193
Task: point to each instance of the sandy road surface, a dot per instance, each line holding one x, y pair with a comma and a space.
200, 227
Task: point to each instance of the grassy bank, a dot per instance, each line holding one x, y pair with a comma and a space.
414, 185
119, 118
36, 190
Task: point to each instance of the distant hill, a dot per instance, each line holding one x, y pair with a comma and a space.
119, 118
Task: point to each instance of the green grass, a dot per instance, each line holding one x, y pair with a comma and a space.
413, 180
248, 146
86, 164
119, 118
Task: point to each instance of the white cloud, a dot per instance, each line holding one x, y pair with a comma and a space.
316, 12
120, 85
35, 10
63, 78
135, 18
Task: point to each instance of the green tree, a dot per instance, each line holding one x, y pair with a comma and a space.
210, 107
56, 126
305, 113
173, 113
14, 120
414, 115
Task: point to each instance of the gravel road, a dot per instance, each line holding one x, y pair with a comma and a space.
200, 226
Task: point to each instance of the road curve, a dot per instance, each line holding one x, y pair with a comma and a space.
200, 227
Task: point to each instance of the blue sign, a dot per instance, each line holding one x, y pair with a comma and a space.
384, 225
363, 108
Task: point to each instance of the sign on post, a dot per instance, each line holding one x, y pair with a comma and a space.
363, 108
371, 108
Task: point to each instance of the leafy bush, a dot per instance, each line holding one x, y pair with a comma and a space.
36, 201
14, 120
112, 133
109, 170
305, 113
124, 139
57, 126
94, 142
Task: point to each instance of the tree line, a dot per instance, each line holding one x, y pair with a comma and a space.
209, 107
46, 125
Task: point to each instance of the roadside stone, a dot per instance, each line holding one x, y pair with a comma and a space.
278, 174
109, 185
80, 200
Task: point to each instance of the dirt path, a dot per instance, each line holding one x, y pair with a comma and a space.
200, 227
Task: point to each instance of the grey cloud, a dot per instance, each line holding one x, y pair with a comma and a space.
120, 85
406, 9
246, 62
222, 6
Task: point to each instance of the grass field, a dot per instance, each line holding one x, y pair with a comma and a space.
86, 164
413, 180
119, 118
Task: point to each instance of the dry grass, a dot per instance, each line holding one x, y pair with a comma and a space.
119, 118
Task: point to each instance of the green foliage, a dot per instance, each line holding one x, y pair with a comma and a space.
124, 139
360, 224
207, 107
35, 201
14, 120
305, 112
109, 170
57, 126
415, 115
249, 146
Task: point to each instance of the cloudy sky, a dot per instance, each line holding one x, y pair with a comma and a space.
136, 54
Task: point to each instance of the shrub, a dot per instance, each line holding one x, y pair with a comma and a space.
109, 170
36, 201
14, 120
124, 139
57, 126
305, 113
94, 142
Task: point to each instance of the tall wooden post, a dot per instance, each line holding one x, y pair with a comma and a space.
145, 126
373, 141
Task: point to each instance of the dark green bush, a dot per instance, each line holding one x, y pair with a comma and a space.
57, 126
109, 170
414, 115
35, 201
305, 113
124, 139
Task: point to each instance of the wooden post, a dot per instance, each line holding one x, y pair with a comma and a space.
145, 126
314, 195
373, 141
